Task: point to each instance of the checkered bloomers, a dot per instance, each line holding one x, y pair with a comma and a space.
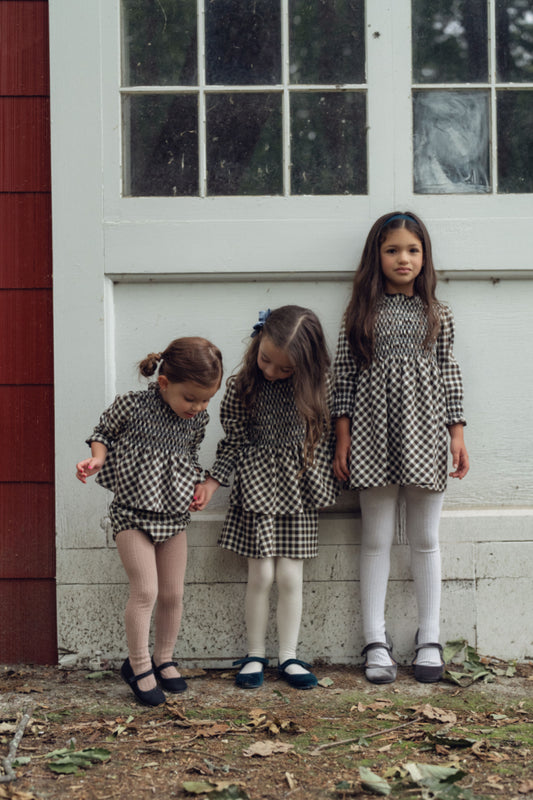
401, 406
273, 509
152, 462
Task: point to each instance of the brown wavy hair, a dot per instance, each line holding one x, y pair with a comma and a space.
190, 358
369, 286
298, 332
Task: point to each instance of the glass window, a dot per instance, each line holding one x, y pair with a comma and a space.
327, 41
242, 42
159, 43
515, 141
244, 144
514, 40
451, 142
276, 107
483, 43
328, 143
450, 43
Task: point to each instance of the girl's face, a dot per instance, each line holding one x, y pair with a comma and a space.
274, 362
402, 259
186, 399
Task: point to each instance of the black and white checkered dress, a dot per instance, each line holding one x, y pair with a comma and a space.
151, 464
273, 509
401, 406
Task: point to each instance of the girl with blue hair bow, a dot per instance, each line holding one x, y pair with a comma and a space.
275, 415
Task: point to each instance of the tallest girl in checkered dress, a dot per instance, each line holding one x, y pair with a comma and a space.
398, 396
275, 416
145, 450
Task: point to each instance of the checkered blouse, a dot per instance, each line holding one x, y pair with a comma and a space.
265, 450
401, 406
152, 460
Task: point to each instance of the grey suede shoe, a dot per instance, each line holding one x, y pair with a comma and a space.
426, 673
377, 674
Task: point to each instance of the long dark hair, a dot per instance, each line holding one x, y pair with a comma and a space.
298, 332
369, 285
190, 358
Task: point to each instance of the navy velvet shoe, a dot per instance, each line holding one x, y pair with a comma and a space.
249, 680
298, 681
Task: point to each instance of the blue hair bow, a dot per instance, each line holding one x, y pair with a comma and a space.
258, 327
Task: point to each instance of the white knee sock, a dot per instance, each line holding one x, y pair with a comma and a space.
422, 523
378, 514
260, 580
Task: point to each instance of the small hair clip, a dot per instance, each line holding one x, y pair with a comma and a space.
258, 327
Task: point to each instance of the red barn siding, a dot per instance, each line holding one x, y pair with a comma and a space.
27, 521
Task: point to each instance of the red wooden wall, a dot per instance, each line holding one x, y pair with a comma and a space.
27, 523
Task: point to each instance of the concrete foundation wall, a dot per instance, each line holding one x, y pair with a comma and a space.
487, 579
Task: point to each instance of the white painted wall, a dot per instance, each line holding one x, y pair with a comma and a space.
130, 275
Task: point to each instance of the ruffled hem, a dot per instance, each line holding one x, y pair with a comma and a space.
147, 480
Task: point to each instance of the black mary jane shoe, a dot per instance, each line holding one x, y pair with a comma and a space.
250, 680
152, 697
173, 685
305, 680
426, 673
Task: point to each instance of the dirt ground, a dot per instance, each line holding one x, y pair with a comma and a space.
219, 742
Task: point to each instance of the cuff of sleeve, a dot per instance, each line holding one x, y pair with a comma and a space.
98, 438
220, 475
455, 419
341, 411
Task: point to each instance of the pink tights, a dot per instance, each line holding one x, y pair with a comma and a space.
156, 573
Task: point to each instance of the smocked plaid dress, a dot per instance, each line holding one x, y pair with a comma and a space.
401, 406
273, 510
151, 464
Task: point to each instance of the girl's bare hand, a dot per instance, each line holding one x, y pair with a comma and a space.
88, 467
203, 492
341, 465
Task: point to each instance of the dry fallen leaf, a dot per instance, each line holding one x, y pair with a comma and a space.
265, 749
291, 782
526, 787
438, 714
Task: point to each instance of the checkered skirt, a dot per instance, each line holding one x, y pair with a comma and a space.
401, 406
273, 502
152, 460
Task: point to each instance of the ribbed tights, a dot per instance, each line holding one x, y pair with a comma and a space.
156, 573
378, 512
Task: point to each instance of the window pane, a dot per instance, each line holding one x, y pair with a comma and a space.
514, 40
515, 141
159, 42
243, 42
244, 144
161, 138
328, 140
327, 41
451, 142
449, 41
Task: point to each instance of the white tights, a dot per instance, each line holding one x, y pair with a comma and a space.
378, 512
288, 573
156, 572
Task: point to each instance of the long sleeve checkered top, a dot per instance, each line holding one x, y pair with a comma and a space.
400, 407
152, 459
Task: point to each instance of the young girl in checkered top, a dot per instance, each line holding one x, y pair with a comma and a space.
398, 395
275, 417
145, 450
